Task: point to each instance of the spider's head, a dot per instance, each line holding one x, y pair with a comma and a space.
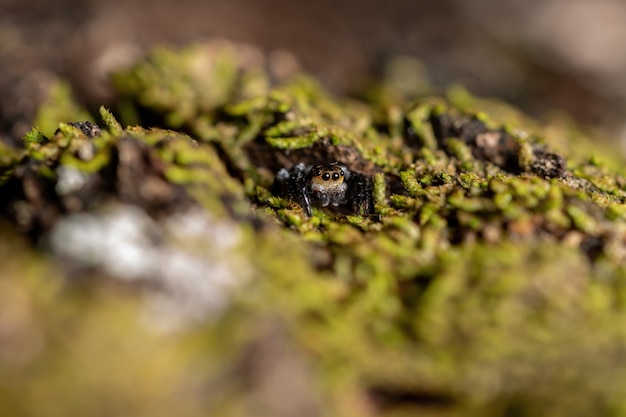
328, 176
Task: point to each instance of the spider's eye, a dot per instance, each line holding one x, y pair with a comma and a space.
326, 176
318, 172
335, 176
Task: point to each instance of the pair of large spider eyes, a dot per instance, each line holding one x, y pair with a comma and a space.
326, 176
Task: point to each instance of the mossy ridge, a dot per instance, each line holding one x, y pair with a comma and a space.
462, 200
155, 169
490, 268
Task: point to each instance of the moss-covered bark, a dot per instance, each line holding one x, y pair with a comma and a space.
489, 279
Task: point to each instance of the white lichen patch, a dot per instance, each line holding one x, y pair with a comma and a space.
69, 180
189, 262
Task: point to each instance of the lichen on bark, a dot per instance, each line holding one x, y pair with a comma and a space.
488, 280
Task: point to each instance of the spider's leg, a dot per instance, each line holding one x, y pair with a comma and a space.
305, 203
300, 188
360, 194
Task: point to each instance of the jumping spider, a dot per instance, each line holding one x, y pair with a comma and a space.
326, 184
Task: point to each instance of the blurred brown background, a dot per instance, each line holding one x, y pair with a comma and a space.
537, 54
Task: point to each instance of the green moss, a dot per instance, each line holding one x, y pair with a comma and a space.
59, 107
488, 280
581, 220
110, 122
184, 85
35, 135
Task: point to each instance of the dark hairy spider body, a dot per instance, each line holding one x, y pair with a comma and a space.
325, 185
